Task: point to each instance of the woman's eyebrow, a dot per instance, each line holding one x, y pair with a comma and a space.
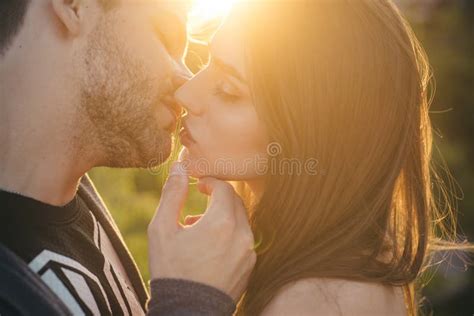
227, 68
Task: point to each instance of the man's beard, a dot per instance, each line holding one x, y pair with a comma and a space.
119, 99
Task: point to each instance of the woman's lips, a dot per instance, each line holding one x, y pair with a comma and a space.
185, 136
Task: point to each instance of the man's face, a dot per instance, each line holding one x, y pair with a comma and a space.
132, 64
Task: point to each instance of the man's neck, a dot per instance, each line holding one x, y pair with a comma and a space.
48, 185
41, 156
48, 175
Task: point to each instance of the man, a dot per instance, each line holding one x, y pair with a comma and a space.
88, 83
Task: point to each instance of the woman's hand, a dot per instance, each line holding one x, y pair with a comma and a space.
215, 249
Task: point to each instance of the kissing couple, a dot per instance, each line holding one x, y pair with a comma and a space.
343, 84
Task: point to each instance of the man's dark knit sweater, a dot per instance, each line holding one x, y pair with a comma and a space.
62, 245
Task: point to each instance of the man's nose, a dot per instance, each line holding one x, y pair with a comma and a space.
182, 75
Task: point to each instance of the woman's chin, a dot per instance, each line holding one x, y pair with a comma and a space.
190, 164
201, 167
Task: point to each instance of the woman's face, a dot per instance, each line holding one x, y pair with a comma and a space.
222, 134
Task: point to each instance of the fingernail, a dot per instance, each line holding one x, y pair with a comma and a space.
177, 169
182, 154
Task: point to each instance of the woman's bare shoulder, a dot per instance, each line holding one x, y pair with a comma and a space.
317, 296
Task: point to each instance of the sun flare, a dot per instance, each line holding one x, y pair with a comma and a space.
205, 10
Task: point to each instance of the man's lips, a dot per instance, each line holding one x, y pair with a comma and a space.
175, 110
171, 127
172, 105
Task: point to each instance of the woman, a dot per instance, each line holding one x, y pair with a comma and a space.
345, 85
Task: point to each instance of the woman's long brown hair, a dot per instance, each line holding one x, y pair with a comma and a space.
347, 83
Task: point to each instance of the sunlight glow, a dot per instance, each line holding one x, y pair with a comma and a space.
205, 10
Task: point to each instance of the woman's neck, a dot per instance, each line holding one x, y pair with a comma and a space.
257, 187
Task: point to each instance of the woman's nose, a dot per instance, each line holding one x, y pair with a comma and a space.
188, 97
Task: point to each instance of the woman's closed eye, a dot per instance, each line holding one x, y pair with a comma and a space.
227, 91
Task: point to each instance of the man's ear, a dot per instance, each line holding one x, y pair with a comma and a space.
68, 13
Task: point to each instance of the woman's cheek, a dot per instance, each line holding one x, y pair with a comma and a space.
238, 132
255, 133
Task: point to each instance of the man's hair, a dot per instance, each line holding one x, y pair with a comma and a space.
12, 14
108, 4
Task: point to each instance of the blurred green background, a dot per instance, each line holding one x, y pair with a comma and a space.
446, 29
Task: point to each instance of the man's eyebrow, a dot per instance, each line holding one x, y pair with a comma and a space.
229, 69
180, 19
175, 30
182, 31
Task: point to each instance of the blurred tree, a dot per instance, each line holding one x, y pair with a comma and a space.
447, 33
